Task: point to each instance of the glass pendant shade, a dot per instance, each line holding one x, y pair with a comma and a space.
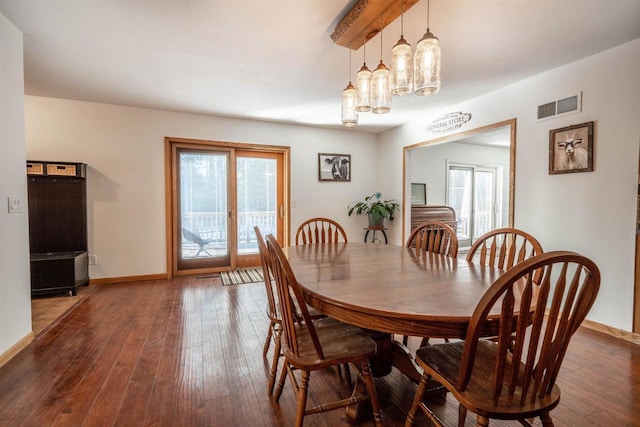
363, 89
349, 113
381, 90
426, 73
401, 68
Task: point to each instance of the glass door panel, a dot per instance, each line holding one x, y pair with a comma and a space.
203, 211
256, 200
259, 199
471, 192
483, 218
459, 198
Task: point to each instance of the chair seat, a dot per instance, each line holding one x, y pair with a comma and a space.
341, 343
443, 362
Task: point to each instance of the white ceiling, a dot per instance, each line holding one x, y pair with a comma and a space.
274, 60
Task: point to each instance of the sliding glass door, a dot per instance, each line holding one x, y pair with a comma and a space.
218, 194
472, 191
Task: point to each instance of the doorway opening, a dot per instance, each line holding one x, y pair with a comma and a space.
428, 162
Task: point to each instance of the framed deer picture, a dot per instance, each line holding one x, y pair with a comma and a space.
571, 149
334, 167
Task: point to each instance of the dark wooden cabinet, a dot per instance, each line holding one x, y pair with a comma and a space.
57, 226
58, 272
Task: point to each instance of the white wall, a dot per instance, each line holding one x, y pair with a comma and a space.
429, 165
592, 213
124, 150
15, 291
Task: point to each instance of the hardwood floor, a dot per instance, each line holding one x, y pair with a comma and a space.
188, 352
46, 310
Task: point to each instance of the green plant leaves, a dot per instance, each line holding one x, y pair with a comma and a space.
375, 206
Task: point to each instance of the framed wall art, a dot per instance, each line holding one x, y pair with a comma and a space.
334, 167
571, 149
418, 194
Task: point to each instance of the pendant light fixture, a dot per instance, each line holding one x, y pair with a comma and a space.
426, 71
381, 85
401, 63
363, 84
349, 113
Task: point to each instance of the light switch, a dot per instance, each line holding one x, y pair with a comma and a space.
15, 204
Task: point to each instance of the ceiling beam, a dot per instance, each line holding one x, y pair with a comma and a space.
362, 22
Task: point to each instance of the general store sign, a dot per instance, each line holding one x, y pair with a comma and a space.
448, 122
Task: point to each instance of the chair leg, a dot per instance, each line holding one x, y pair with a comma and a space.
274, 363
367, 378
347, 374
546, 420
422, 386
283, 378
267, 342
302, 398
201, 249
462, 415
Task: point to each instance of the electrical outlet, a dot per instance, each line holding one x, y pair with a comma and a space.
93, 259
15, 204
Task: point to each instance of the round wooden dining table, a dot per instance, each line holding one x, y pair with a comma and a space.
392, 289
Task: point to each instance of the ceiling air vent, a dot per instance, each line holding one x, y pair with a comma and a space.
561, 106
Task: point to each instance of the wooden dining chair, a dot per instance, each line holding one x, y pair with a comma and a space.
514, 378
503, 248
434, 236
320, 230
315, 344
275, 322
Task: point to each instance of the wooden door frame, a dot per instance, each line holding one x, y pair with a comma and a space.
636, 281
170, 191
406, 193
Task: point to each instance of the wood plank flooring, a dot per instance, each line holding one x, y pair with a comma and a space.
188, 352
46, 310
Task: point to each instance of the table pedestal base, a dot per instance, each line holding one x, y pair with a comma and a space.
405, 363
390, 354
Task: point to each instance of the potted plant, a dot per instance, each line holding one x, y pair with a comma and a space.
375, 208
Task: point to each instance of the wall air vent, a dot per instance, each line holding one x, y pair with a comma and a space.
571, 104
546, 110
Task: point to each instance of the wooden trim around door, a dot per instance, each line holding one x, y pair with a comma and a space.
170, 215
450, 138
